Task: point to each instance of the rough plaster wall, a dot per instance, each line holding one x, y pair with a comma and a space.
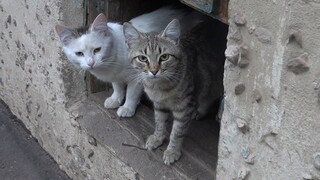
270, 126
41, 88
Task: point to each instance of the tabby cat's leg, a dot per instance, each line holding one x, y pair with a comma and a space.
116, 99
202, 111
155, 140
180, 127
134, 91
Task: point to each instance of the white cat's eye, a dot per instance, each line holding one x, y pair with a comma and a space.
142, 58
96, 50
164, 57
79, 53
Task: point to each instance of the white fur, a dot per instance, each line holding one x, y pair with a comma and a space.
157, 20
86, 44
118, 55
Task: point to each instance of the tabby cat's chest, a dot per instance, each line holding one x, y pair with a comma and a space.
167, 99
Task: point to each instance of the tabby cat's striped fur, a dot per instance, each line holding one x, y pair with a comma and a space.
179, 75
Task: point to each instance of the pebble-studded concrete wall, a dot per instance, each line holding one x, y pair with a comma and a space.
270, 128
42, 88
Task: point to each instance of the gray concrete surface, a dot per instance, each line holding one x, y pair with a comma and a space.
21, 157
270, 126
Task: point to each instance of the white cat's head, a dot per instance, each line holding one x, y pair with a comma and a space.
86, 47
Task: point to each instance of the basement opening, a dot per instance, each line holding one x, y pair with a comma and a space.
200, 147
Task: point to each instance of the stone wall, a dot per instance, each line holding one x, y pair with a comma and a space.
42, 88
270, 126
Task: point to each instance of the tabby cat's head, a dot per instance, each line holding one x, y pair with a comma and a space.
86, 47
155, 56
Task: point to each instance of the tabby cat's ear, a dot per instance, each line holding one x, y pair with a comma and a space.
131, 34
100, 24
65, 34
172, 31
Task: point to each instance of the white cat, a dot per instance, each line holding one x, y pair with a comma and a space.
101, 50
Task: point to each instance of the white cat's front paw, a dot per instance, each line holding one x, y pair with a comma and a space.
154, 142
125, 111
112, 103
170, 156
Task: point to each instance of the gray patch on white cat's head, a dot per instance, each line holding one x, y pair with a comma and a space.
67, 34
82, 30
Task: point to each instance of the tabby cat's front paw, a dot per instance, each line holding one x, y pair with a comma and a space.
112, 103
154, 142
125, 111
170, 156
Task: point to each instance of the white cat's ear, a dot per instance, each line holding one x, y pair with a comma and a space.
65, 34
131, 34
172, 31
100, 24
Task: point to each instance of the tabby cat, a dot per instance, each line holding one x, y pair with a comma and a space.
101, 50
182, 75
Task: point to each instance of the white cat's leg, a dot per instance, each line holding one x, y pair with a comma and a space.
134, 91
116, 99
157, 138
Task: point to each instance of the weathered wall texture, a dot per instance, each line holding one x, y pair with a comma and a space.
270, 128
40, 87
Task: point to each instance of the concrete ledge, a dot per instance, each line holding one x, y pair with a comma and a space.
107, 131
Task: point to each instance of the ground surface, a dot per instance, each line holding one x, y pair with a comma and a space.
21, 157
127, 136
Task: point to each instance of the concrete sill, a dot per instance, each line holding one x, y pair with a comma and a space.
200, 146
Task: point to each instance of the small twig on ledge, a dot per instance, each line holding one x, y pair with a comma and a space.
131, 145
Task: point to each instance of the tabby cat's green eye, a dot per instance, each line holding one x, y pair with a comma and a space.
164, 57
142, 58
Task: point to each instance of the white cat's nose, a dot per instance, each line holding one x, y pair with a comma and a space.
91, 63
